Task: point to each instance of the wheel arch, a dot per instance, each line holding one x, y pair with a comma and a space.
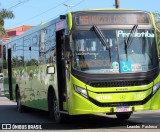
51, 90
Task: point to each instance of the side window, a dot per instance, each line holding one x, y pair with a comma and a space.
47, 45
20, 57
50, 55
42, 46
27, 50
14, 54
34, 56
34, 49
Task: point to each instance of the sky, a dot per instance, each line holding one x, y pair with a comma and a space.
35, 12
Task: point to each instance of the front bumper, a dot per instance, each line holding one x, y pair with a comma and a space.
134, 100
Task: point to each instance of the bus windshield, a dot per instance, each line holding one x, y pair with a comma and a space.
91, 56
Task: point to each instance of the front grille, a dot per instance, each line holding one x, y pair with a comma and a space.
121, 103
119, 83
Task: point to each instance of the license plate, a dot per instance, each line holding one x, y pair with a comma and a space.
123, 109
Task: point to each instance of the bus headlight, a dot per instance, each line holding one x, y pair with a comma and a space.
81, 91
155, 88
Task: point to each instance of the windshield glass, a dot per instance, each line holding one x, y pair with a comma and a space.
91, 56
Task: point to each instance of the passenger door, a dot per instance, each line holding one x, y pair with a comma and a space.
61, 67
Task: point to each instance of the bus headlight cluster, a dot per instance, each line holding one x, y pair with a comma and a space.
81, 91
155, 88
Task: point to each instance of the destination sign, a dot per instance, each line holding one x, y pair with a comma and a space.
112, 19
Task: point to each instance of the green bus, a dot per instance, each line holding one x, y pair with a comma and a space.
86, 62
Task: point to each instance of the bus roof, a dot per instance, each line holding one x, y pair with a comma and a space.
43, 25
113, 9
32, 30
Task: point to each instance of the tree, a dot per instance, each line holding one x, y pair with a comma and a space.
157, 16
4, 14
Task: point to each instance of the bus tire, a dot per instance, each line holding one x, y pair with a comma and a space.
123, 116
20, 107
53, 109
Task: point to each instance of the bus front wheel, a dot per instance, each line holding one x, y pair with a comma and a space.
53, 108
123, 116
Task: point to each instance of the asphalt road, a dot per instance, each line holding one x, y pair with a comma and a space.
102, 122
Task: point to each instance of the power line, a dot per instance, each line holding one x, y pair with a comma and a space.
49, 10
19, 3
9, 4
40, 13
66, 11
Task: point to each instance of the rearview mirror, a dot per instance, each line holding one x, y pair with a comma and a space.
50, 70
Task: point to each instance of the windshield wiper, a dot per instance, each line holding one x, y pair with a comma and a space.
133, 30
101, 36
127, 41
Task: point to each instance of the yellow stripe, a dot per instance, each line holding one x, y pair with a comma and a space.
69, 21
154, 22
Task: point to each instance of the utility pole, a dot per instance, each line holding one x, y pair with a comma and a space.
117, 3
